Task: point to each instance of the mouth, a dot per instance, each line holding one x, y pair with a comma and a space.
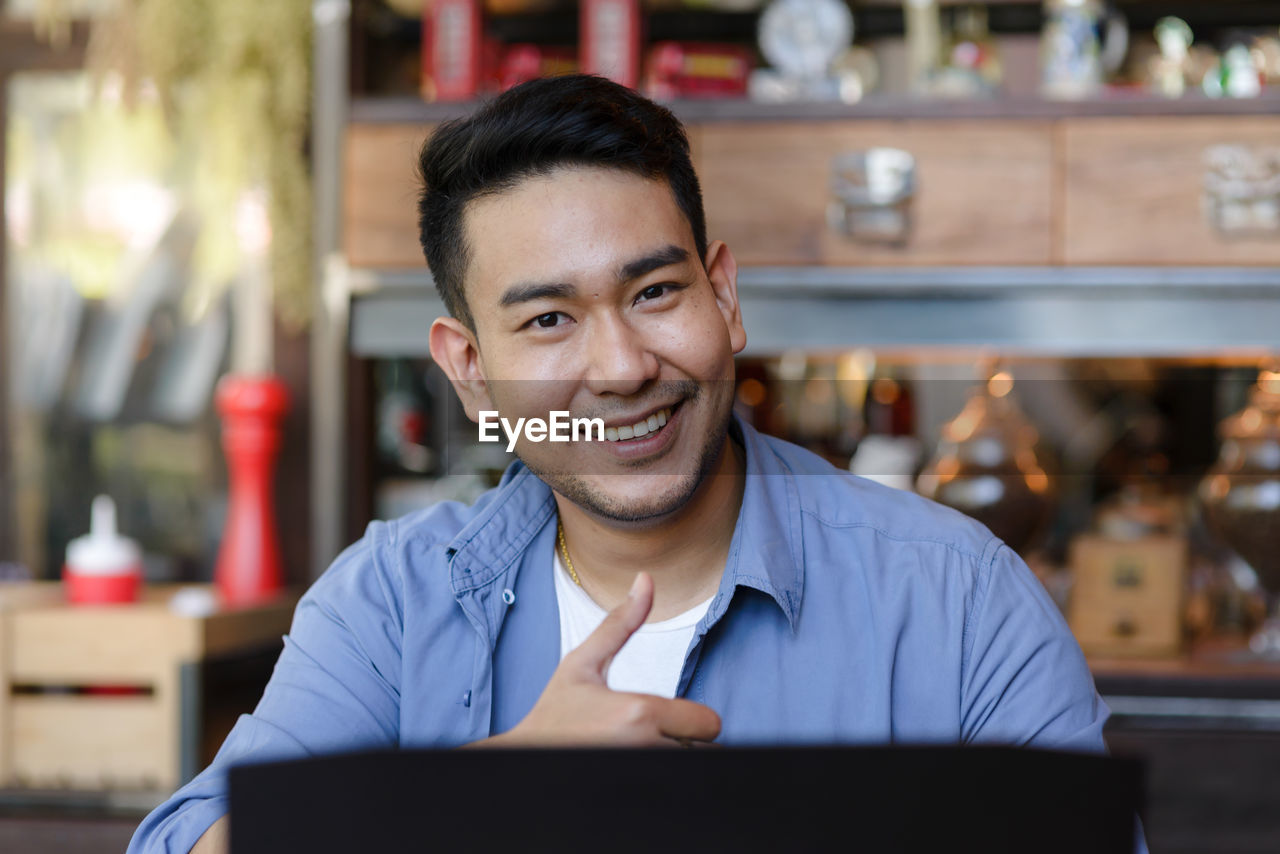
652, 423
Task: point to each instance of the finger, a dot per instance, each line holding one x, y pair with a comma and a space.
595, 653
686, 720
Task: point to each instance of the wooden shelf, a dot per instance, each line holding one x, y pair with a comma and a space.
1215, 686
1219, 667
1053, 311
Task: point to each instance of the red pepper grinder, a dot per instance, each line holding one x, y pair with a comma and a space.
248, 568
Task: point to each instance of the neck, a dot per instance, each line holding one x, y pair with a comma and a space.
685, 553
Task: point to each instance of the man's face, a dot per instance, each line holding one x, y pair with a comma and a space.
588, 296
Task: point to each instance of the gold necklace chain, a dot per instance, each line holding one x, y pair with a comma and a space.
564, 553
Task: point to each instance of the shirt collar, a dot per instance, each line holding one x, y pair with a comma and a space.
491, 544
765, 553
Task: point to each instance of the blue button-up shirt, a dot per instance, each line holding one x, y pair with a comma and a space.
847, 613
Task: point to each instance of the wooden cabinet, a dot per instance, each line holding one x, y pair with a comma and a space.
991, 192
380, 195
1208, 790
1133, 191
983, 191
983, 197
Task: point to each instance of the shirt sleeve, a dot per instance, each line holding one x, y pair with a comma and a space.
1025, 679
335, 688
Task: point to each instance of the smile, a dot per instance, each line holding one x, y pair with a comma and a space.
643, 427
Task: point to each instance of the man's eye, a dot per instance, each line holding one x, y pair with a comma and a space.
652, 292
548, 320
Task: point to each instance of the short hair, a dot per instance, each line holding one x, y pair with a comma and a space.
529, 131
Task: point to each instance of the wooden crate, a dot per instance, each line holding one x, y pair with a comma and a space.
1127, 598
65, 723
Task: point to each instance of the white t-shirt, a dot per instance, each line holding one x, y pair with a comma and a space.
651, 659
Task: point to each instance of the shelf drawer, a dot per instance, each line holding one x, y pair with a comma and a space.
983, 191
1134, 191
380, 195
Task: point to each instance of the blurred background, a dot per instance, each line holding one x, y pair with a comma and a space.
1021, 257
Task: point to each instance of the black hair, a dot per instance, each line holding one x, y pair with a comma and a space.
528, 131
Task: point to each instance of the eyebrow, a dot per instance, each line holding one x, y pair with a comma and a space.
634, 269
664, 257
530, 291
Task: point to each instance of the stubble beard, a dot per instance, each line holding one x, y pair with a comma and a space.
595, 501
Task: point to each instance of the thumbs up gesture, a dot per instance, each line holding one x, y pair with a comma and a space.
577, 707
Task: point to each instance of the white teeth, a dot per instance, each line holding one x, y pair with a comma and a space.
641, 428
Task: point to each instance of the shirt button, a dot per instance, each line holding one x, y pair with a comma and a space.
509, 596
466, 699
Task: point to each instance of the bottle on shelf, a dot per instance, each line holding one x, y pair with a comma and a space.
102, 567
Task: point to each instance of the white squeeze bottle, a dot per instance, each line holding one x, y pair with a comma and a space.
102, 567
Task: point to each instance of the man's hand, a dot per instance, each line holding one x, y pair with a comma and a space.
577, 707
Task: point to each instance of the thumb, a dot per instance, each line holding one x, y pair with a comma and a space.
594, 654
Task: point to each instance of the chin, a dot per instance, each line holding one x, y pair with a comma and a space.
630, 498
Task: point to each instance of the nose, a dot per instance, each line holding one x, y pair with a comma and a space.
619, 360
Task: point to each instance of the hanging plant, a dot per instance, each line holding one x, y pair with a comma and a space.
233, 77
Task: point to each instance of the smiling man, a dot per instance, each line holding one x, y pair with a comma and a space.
685, 580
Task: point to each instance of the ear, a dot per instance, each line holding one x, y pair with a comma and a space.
722, 271
454, 349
